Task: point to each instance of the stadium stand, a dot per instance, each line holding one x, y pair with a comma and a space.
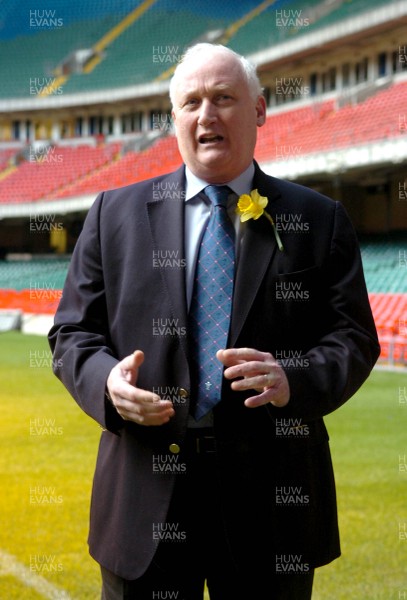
134, 166
83, 82
5, 156
36, 177
385, 265
324, 127
86, 169
110, 33
390, 314
35, 287
20, 274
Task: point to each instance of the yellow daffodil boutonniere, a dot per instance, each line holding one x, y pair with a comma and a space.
252, 207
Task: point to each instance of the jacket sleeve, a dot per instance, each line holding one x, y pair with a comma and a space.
79, 339
335, 367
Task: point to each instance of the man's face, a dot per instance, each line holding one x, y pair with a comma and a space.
216, 118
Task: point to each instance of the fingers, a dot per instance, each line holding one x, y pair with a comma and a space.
130, 366
278, 395
144, 408
133, 403
251, 369
234, 356
257, 374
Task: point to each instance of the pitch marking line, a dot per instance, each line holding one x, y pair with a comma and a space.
9, 565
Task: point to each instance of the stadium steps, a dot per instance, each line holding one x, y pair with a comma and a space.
283, 130
124, 55
295, 132
58, 167
295, 19
100, 46
6, 156
82, 182
162, 157
229, 32
7, 171
131, 59
323, 127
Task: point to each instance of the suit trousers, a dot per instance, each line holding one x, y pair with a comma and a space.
193, 546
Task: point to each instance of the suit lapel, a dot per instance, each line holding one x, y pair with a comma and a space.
256, 253
166, 218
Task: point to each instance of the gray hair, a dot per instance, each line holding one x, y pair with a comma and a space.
193, 52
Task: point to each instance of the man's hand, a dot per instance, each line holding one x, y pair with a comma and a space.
259, 371
132, 403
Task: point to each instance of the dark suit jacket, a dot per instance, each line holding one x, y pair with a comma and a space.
307, 305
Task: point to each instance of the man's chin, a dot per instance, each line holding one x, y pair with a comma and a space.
214, 169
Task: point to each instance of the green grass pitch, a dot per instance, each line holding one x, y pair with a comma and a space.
47, 455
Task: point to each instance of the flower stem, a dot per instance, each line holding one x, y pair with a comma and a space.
276, 234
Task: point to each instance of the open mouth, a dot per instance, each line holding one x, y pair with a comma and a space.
209, 139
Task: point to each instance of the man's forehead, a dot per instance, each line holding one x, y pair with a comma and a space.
209, 74
207, 83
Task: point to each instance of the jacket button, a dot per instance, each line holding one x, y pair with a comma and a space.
183, 393
174, 448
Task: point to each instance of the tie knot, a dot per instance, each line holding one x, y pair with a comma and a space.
218, 194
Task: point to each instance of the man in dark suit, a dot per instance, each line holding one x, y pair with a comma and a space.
241, 494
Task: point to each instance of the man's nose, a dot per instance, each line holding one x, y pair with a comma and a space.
207, 113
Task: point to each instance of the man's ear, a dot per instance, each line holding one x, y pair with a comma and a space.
261, 110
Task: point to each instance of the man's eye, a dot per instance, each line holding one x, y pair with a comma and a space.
224, 98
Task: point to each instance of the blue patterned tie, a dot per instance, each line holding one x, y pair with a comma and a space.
211, 302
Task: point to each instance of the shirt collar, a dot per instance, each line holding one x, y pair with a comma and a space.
240, 185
